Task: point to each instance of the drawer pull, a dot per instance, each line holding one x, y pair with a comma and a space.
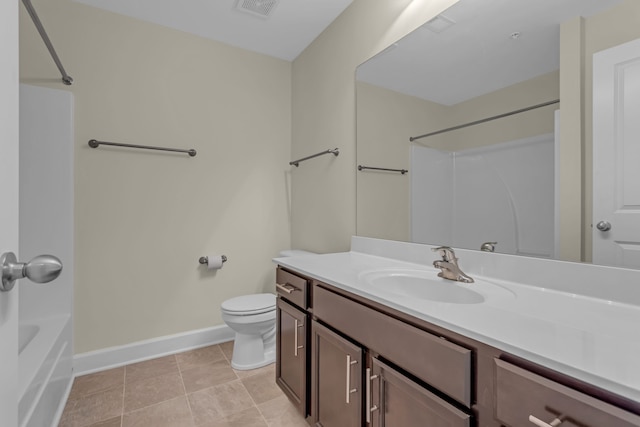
370, 408
285, 289
348, 381
556, 422
296, 347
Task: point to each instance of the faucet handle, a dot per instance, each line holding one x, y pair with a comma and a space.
445, 252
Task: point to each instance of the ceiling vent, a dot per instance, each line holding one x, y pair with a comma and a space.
261, 8
439, 24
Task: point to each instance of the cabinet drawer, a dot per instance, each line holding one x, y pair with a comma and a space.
521, 394
440, 363
292, 288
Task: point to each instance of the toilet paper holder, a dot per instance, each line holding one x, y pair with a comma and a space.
205, 259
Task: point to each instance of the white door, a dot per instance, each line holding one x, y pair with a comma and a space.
9, 207
616, 156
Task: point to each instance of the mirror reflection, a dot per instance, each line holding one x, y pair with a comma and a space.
495, 134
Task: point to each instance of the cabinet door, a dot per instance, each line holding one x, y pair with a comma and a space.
395, 400
336, 379
291, 353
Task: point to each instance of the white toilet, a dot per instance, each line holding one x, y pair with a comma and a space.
253, 318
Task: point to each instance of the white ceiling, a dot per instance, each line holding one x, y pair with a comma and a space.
476, 55
290, 27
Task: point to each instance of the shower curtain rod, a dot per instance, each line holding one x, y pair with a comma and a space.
488, 119
66, 78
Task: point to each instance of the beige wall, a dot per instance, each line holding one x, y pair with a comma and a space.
385, 121
571, 137
142, 218
324, 189
519, 126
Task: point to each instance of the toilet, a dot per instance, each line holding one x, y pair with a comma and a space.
253, 318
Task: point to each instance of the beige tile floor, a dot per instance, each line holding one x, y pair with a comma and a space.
195, 388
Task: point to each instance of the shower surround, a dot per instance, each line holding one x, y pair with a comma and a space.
502, 193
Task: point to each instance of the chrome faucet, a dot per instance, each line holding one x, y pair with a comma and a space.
449, 265
488, 246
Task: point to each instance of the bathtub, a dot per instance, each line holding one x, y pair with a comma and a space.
44, 370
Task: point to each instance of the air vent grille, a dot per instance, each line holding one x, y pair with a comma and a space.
439, 24
262, 8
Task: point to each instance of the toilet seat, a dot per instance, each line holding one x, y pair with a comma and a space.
247, 305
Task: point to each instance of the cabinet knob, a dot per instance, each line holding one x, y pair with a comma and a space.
555, 423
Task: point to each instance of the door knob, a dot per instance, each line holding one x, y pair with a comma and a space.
41, 269
603, 226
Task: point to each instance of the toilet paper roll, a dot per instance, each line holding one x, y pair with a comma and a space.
215, 262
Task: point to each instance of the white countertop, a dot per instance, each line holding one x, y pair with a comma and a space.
591, 339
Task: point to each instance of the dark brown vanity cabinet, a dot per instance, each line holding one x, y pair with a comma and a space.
336, 379
347, 361
388, 395
292, 339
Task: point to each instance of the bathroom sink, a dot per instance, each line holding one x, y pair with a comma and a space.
426, 285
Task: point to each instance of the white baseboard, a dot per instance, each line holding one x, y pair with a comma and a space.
112, 357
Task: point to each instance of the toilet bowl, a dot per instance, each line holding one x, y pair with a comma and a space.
253, 318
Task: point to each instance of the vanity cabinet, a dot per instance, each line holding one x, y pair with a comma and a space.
433, 359
348, 361
293, 337
411, 379
336, 378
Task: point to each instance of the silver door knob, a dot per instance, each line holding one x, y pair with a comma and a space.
41, 269
603, 226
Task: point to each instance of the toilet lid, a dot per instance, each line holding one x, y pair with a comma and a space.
250, 304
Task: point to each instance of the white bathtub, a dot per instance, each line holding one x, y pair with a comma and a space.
44, 370
45, 326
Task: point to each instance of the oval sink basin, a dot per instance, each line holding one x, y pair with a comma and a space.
426, 285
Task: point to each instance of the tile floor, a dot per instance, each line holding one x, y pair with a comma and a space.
195, 388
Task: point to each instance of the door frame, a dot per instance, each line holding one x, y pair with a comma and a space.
9, 178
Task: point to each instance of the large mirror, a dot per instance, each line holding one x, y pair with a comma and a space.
488, 106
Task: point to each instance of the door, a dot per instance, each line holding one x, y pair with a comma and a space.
616, 156
291, 354
394, 400
9, 207
336, 366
